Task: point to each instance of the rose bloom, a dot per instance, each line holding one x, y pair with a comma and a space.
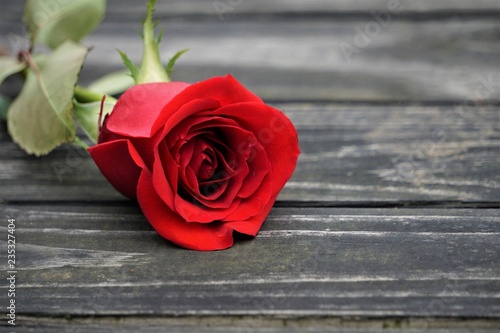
202, 160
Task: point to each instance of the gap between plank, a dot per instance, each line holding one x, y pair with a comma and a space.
262, 321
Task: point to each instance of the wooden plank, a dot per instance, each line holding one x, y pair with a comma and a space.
223, 9
392, 153
250, 324
350, 153
310, 59
92, 261
85, 260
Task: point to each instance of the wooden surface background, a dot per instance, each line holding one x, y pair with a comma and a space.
391, 220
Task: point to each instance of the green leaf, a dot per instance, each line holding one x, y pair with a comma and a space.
134, 71
52, 22
87, 115
171, 63
10, 66
40, 118
4, 106
113, 83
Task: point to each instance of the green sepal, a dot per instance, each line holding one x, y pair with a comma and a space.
134, 71
113, 83
170, 66
87, 115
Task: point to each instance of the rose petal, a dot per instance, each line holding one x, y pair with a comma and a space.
188, 140
204, 164
138, 108
195, 236
249, 151
144, 146
224, 90
258, 164
193, 150
165, 175
186, 154
106, 135
239, 143
193, 211
182, 117
165, 167
120, 163
252, 225
254, 204
274, 131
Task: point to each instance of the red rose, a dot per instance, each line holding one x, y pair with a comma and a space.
202, 159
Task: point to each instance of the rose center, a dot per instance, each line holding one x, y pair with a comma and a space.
206, 170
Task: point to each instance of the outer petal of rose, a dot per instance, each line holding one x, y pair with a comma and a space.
120, 163
259, 166
165, 180
185, 111
195, 236
254, 204
193, 213
105, 135
223, 89
252, 225
143, 145
137, 109
274, 131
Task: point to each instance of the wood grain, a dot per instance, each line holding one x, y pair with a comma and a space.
410, 121
223, 9
258, 324
106, 260
350, 153
310, 58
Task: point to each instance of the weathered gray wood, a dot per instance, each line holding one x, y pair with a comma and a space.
350, 153
223, 9
309, 58
106, 260
88, 260
249, 324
